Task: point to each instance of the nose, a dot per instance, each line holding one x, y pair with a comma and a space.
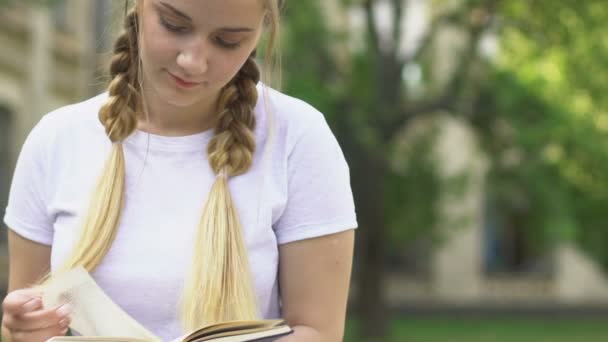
194, 58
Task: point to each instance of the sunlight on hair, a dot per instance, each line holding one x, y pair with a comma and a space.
106, 206
223, 289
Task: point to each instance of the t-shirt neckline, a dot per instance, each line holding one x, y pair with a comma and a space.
185, 143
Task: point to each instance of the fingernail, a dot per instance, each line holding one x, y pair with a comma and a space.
32, 304
64, 323
64, 310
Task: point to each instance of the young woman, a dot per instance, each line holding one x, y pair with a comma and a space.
191, 191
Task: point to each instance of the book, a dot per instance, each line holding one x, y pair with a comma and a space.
91, 307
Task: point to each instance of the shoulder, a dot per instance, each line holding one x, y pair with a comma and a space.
287, 108
293, 117
76, 115
64, 125
59, 129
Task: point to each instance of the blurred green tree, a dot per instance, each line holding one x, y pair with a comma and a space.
551, 163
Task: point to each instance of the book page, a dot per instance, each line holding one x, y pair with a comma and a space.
232, 327
94, 313
257, 336
229, 328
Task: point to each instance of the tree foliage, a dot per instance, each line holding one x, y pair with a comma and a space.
542, 115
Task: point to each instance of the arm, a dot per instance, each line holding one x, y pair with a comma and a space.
24, 317
314, 278
28, 262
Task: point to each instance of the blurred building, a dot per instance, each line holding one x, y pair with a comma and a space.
485, 260
50, 56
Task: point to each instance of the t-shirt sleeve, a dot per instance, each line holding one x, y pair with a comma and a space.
319, 196
26, 213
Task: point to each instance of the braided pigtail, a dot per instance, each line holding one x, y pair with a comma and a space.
118, 116
220, 285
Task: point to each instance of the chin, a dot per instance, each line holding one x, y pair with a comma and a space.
178, 97
181, 100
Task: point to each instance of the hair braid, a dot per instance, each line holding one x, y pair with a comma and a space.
233, 146
118, 114
220, 286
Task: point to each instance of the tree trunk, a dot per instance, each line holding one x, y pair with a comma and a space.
368, 186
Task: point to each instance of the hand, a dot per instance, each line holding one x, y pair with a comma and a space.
25, 320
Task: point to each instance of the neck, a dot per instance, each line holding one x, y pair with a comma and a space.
170, 120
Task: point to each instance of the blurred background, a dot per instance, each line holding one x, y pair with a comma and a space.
476, 134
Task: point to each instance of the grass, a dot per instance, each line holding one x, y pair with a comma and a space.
490, 330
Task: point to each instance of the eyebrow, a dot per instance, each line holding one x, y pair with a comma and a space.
186, 17
175, 11
235, 29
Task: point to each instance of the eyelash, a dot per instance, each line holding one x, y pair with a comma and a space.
182, 30
226, 44
172, 28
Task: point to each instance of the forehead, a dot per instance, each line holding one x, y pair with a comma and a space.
216, 12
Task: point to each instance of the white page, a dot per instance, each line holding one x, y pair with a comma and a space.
94, 313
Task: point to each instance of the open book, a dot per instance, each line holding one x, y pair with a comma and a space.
92, 308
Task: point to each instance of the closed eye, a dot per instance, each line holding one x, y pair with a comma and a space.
172, 27
226, 43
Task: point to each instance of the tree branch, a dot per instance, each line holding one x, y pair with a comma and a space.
418, 109
372, 30
448, 98
478, 24
436, 23
397, 31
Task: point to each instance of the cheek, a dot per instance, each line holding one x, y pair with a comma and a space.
227, 67
157, 47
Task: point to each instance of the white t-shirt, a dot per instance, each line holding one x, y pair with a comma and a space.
305, 193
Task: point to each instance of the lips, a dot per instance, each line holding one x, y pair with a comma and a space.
183, 83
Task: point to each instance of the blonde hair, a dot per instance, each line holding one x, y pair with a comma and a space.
220, 285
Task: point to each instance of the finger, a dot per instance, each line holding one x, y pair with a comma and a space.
21, 301
38, 335
39, 319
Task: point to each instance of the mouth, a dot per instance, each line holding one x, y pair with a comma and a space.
183, 83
